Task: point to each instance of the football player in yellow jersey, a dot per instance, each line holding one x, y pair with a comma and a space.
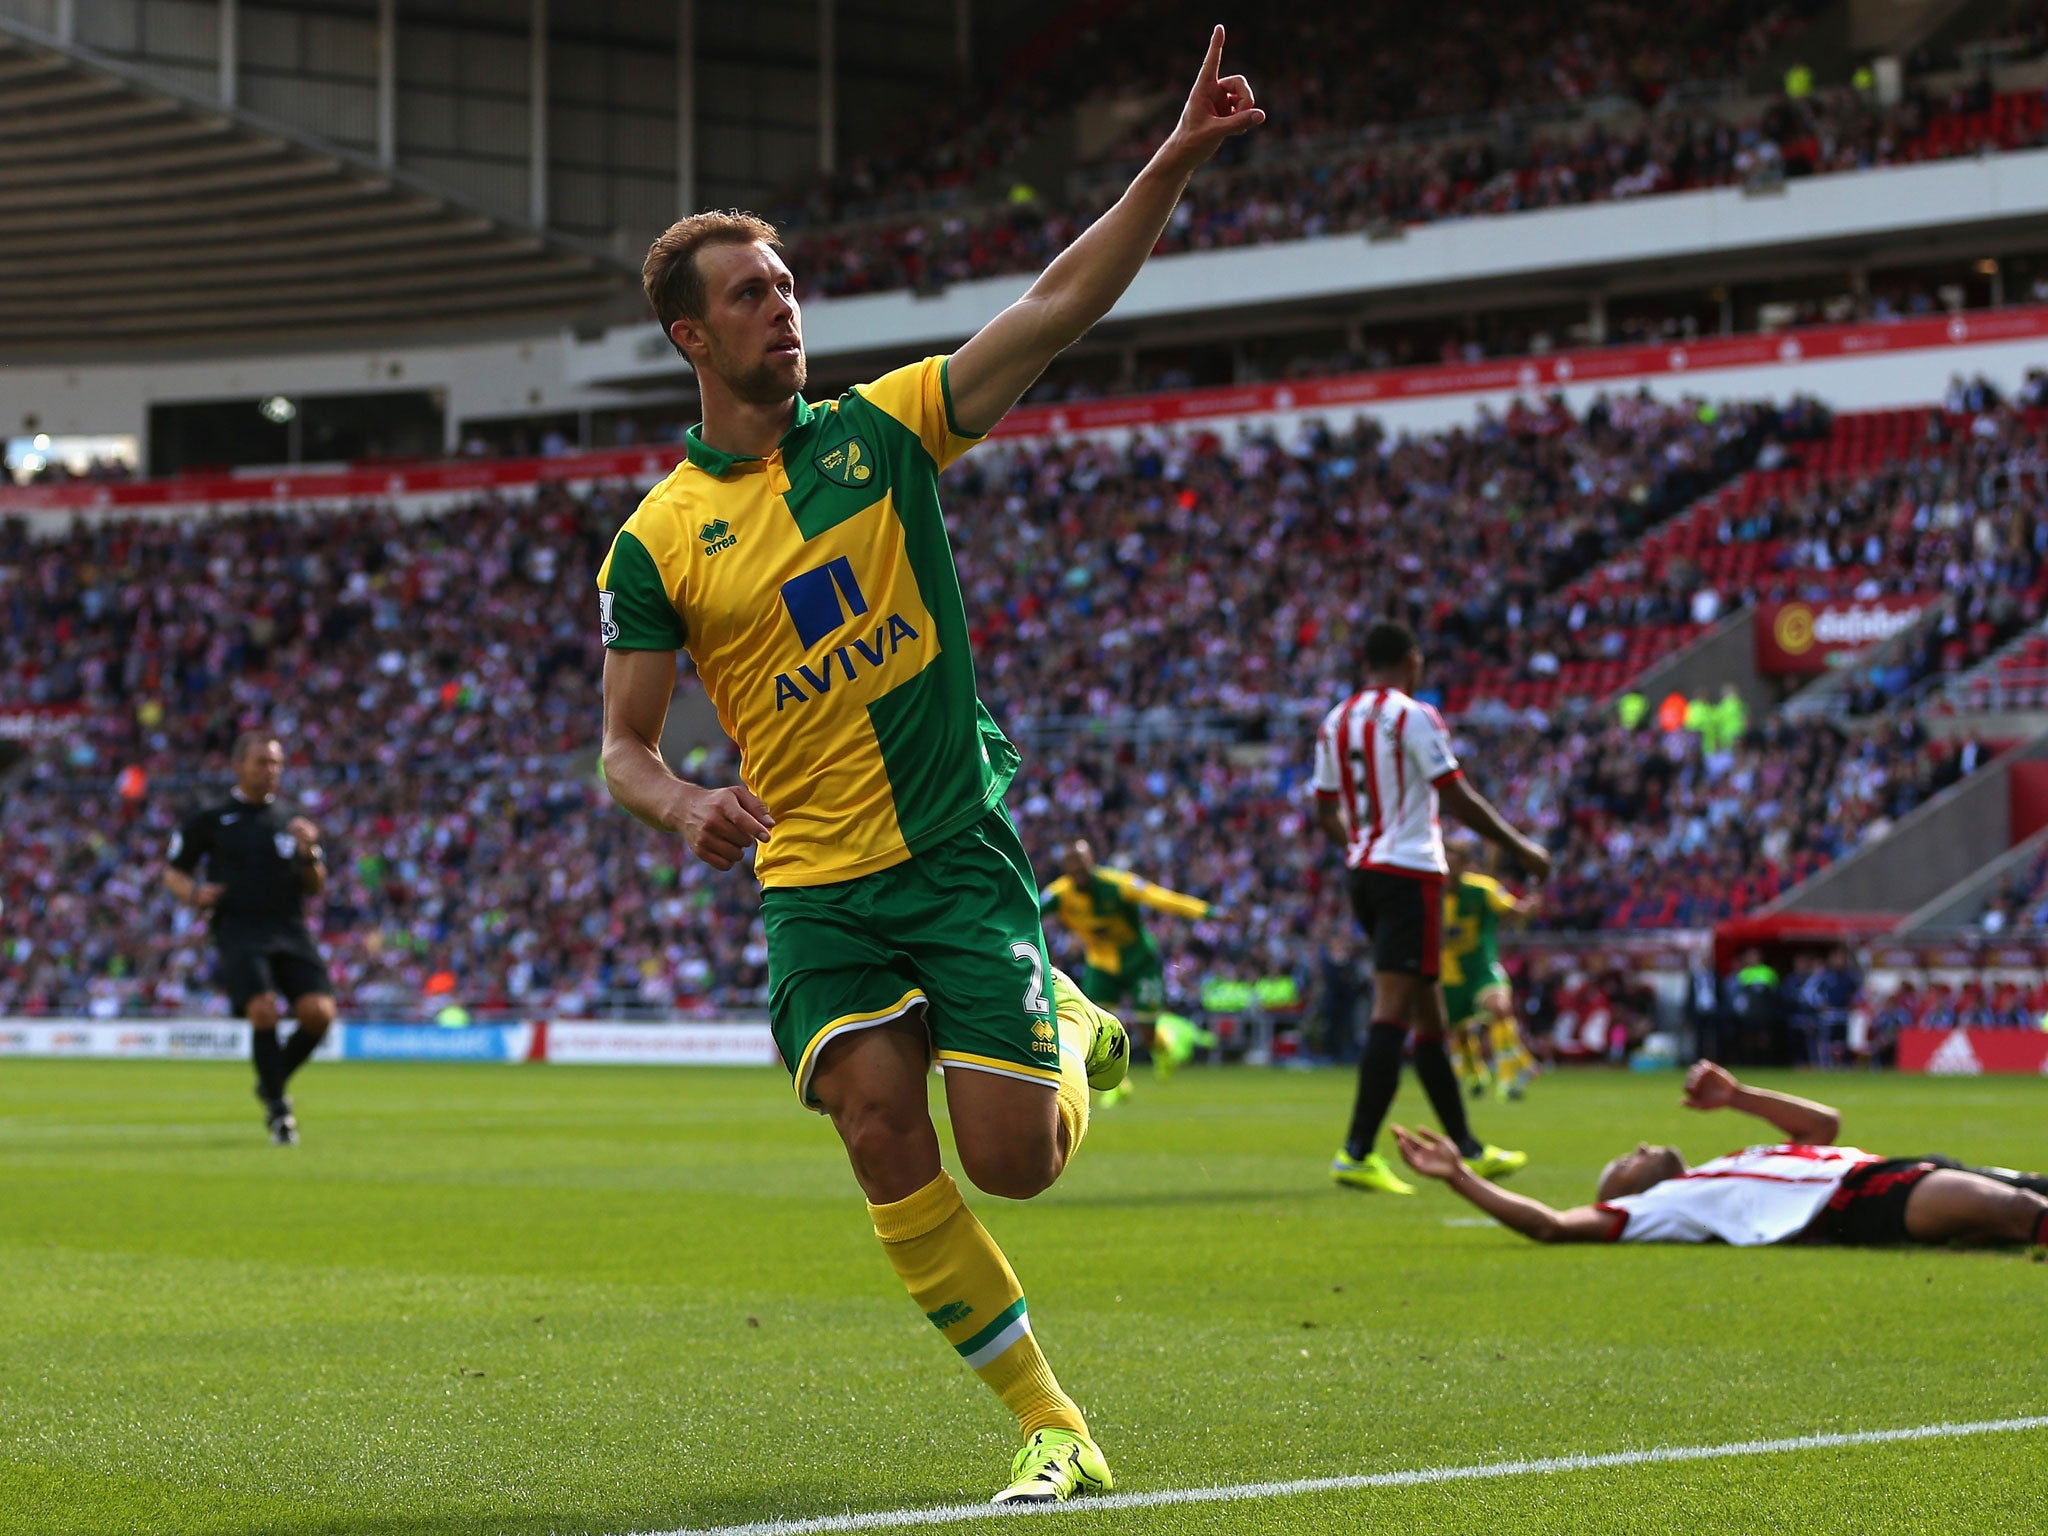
1101, 908
1478, 999
798, 553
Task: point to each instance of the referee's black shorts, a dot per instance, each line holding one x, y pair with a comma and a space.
1403, 915
289, 966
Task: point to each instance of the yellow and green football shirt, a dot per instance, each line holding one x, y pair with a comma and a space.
1473, 904
815, 590
1103, 913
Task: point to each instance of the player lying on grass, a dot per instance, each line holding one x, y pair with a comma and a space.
800, 556
1802, 1189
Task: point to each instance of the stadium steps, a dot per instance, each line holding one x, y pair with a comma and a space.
2012, 678
1940, 847
257, 235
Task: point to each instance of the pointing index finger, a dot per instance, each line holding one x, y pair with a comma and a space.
1214, 60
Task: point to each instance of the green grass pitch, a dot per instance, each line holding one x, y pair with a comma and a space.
540, 1300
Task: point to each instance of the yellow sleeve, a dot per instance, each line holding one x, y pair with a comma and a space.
1157, 896
917, 399
1497, 896
1049, 898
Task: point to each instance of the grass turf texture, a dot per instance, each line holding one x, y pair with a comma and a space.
527, 1300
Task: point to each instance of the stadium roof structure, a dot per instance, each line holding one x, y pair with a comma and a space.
134, 219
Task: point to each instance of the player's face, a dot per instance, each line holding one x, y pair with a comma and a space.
1078, 860
751, 336
260, 770
1634, 1172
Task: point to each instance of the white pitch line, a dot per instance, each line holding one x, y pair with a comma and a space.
957, 1514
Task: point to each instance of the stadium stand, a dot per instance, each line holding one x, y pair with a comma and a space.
447, 770
1308, 62
1299, 189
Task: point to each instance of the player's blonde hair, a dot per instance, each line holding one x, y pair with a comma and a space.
675, 288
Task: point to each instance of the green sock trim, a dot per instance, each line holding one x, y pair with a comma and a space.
1002, 1320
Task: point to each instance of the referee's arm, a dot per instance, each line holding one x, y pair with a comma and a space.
312, 862
990, 373
181, 864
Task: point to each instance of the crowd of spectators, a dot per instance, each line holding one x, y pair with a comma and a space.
1296, 190
524, 884
434, 680
1234, 574
2020, 904
1319, 69
1964, 517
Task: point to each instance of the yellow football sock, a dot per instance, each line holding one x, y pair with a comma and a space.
1468, 1061
1074, 1016
1512, 1057
959, 1277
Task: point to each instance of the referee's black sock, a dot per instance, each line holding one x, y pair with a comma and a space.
269, 1058
1379, 1078
1440, 1082
303, 1043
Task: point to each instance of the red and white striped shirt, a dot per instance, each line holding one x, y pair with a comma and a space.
1757, 1195
1380, 756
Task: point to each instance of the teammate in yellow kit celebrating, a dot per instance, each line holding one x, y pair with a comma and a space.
1102, 908
799, 555
1478, 999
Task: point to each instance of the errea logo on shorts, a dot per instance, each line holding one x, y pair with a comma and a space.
1045, 1038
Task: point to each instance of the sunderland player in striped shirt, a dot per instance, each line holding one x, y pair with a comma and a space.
1803, 1189
1384, 765
799, 555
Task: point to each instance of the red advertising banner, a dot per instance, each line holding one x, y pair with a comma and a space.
644, 466
1973, 1052
1812, 637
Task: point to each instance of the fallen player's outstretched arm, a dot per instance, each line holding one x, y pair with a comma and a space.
1435, 1157
1803, 1121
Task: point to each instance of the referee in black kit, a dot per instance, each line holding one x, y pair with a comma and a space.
260, 869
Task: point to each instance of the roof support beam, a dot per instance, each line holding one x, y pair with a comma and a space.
387, 82
230, 50
828, 86
537, 118
686, 108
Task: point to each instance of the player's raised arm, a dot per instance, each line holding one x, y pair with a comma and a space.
1435, 1157
1805, 1121
990, 373
718, 824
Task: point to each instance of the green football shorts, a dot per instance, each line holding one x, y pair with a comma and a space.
1461, 1000
1137, 981
950, 935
